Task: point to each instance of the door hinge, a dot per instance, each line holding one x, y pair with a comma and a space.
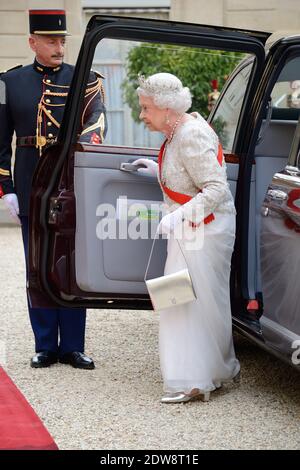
54, 209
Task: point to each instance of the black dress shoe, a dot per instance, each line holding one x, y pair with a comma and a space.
78, 360
43, 359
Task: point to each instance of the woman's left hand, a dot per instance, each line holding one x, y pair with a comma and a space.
170, 221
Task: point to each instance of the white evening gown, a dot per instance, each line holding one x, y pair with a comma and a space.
195, 339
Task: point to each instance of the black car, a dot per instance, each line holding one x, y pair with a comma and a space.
257, 115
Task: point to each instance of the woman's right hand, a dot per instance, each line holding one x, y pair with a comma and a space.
151, 167
11, 204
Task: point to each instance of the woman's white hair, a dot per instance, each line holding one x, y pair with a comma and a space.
166, 90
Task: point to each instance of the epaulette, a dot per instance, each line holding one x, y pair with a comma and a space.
98, 74
12, 68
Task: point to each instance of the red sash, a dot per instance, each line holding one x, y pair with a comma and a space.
179, 197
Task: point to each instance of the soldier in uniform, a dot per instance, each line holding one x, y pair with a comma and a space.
32, 104
213, 95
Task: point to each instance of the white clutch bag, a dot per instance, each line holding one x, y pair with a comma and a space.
170, 290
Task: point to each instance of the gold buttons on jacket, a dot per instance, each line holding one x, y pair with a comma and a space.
49, 111
50, 135
48, 101
47, 91
48, 81
49, 123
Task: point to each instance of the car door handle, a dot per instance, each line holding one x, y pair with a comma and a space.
277, 195
130, 167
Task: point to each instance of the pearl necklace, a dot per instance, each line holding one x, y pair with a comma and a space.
169, 139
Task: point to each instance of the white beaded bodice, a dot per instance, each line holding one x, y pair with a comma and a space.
190, 164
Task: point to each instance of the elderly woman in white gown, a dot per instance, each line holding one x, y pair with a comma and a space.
195, 339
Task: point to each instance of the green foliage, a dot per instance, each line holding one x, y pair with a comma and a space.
219, 126
196, 68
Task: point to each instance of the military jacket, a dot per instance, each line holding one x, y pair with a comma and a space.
32, 104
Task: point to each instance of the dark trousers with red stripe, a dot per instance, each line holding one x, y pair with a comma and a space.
60, 330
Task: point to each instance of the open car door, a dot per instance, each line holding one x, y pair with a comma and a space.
81, 191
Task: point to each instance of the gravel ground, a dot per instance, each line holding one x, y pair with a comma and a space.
117, 406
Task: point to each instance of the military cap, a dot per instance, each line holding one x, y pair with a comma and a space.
50, 22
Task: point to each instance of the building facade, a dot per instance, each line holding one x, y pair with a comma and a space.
263, 15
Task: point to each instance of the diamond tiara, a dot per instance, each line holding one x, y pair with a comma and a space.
158, 86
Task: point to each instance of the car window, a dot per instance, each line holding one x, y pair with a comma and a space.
226, 117
120, 62
286, 92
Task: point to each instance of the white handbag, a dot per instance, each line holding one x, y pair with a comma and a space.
170, 290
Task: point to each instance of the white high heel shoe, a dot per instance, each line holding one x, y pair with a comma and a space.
181, 397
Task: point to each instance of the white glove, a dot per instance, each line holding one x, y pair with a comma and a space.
170, 221
151, 167
12, 205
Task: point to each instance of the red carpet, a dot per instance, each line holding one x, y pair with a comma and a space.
20, 427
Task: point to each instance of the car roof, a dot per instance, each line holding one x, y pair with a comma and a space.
281, 35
